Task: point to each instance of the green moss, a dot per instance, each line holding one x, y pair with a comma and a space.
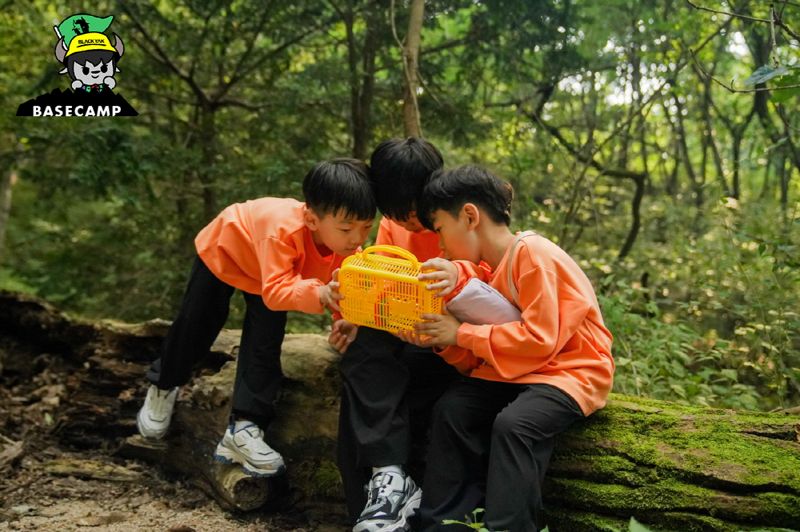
326, 481
707, 445
670, 495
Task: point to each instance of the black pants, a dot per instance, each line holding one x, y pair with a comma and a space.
388, 390
490, 447
202, 315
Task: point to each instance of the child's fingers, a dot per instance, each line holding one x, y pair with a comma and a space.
341, 346
409, 337
426, 328
334, 340
441, 285
446, 290
437, 274
431, 317
437, 263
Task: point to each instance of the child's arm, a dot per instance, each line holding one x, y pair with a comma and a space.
551, 315
282, 288
462, 359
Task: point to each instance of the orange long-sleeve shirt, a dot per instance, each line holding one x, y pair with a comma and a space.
263, 247
424, 244
561, 339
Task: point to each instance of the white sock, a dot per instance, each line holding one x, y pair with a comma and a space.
388, 469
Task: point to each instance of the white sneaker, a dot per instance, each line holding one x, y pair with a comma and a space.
156, 412
243, 443
392, 498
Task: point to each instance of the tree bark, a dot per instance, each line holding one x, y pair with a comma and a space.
362, 76
7, 179
412, 121
670, 466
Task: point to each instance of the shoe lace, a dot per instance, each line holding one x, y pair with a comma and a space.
161, 402
256, 437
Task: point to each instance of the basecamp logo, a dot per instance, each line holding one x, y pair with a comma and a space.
91, 63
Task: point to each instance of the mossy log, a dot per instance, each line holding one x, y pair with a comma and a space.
677, 467
671, 466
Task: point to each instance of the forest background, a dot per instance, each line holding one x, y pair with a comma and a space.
656, 141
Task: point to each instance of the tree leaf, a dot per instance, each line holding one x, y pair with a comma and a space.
780, 96
765, 73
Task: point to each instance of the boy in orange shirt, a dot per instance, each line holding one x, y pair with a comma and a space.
523, 382
283, 255
388, 386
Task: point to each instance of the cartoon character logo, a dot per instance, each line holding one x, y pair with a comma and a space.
86, 53
90, 59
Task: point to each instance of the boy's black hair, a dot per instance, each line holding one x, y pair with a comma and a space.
399, 169
93, 56
340, 184
449, 190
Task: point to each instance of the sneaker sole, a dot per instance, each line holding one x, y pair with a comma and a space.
224, 455
410, 508
156, 436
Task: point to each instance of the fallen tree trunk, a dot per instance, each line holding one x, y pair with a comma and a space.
671, 466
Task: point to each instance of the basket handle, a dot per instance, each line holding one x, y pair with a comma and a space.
394, 250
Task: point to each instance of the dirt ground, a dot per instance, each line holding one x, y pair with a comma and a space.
45, 485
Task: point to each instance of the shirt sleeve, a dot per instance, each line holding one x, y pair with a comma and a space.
551, 315
282, 288
458, 357
466, 271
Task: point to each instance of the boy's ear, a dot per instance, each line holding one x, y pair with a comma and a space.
310, 218
472, 215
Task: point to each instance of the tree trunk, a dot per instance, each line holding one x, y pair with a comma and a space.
412, 121
362, 78
671, 466
7, 179
209, 151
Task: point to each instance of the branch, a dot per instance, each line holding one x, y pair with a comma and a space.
247, 50
232, 102
774, 20
718, 12
271, 53
730, 88
160, 56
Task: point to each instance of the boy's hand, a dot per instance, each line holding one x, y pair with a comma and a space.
442, 329
446, 275
342, 335
438, 330
329, 294
411, 337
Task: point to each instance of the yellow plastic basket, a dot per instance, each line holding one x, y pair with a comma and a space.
383, 292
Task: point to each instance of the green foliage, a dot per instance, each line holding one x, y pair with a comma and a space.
470, 521
765, 73
704, 307
473, 521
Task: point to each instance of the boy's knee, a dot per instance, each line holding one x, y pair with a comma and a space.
505, 425
448, 413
